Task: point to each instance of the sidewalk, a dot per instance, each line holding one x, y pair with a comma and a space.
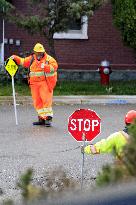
94, 99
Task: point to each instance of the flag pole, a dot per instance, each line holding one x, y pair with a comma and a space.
3, 37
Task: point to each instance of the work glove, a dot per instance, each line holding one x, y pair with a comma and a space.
89, 149
45, 67
86, 149
11, 57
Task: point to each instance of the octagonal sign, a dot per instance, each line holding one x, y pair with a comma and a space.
84, 121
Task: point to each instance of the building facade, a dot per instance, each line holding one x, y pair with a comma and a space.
83, 49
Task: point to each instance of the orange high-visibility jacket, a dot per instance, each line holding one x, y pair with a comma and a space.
45, 69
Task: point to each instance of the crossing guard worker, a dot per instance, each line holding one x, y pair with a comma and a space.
115, 141
42, 80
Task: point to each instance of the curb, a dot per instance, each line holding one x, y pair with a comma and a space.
97, 99
101, 99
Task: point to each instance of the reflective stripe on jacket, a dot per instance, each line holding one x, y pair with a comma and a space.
37, 72
115, 141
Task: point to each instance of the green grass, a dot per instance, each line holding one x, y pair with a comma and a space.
76, 88
20, 89
94, 88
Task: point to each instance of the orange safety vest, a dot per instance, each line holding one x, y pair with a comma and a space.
37, 73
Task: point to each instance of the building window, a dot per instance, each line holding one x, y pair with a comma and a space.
75, 25
78, 30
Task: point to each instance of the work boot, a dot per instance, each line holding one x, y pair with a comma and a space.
40, 122
48, 121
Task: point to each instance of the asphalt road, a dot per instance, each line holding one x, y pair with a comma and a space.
43, 149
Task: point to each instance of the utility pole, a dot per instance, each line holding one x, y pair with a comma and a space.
3, 37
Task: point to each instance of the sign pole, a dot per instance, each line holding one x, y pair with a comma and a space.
11, 67
3, 36
83, 157
84, 125
15, 110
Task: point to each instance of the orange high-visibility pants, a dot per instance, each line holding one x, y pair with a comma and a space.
42, 99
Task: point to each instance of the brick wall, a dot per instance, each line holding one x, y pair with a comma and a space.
104, 42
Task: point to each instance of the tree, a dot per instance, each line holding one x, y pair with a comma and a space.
5, 8
49, 16
124, 13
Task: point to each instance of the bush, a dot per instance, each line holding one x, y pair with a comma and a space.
53, 183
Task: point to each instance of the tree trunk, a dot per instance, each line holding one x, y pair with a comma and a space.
51, 46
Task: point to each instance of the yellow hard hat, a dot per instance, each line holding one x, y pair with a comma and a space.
39, 48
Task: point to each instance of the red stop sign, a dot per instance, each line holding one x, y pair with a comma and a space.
84, 121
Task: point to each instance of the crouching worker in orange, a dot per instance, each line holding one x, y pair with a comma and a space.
42, 80
115, 141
